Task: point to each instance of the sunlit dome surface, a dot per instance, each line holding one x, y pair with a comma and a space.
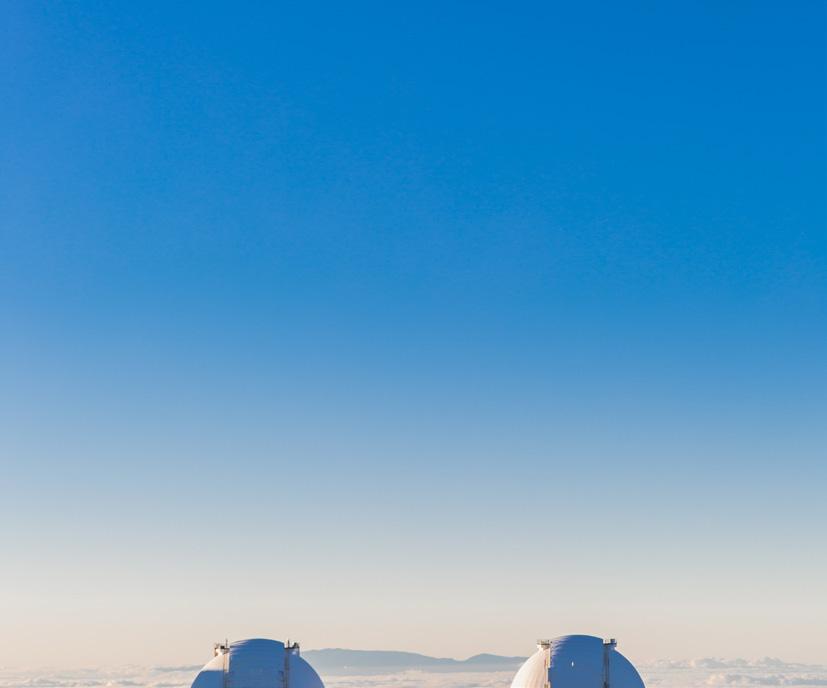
257, 663
577, 661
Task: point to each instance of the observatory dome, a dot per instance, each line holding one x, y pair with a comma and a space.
257, 663
577, 661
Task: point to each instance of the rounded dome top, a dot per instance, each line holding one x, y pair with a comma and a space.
257, 663
577, 661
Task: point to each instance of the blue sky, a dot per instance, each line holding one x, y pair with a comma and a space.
435, 327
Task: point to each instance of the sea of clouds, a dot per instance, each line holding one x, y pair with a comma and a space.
697, 673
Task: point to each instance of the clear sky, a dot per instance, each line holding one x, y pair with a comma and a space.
426, 326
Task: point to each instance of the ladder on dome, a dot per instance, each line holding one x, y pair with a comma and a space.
608, 646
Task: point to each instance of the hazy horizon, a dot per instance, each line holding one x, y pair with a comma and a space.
368, 665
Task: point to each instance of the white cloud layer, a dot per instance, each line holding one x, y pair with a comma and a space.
706, 672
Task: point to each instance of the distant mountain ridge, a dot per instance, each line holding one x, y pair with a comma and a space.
331, 659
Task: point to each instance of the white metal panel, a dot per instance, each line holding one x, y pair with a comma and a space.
301, 674
532, 674
622, 673
576, 661
212, 675
256, 663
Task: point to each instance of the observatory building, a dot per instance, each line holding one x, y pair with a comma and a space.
577, 661
257, 663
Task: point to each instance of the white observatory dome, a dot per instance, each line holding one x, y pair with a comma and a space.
257, 663
577, 661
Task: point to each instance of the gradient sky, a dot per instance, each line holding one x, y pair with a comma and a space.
438, 327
